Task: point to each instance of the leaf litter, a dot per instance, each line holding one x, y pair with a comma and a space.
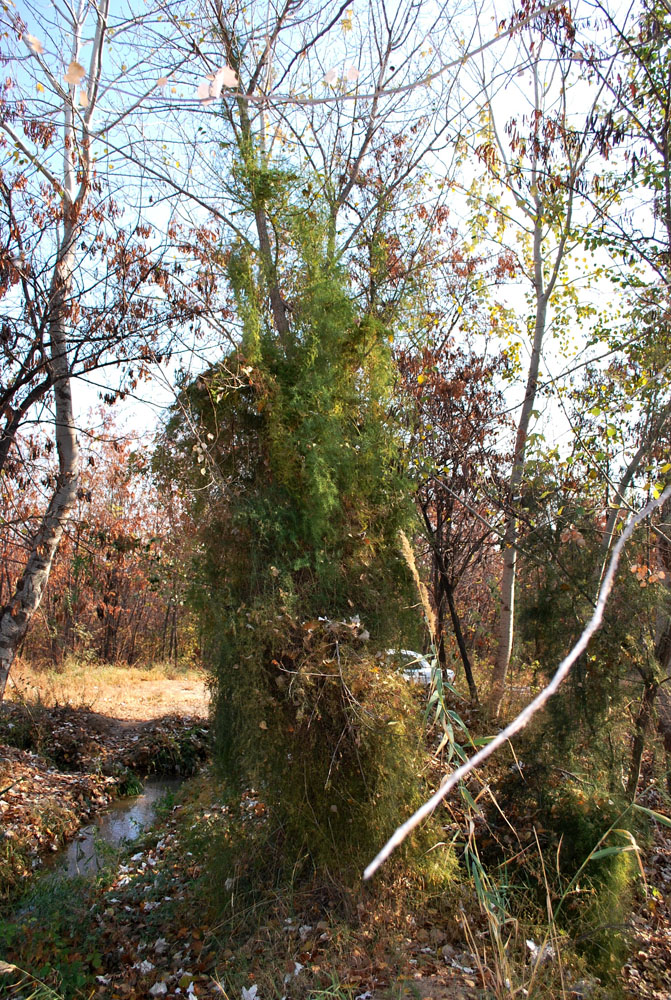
151, 939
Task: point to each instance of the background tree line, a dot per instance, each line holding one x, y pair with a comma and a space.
118, 585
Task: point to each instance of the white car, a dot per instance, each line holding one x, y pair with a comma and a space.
415, 667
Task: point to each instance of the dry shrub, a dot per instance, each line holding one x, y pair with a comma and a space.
331, 739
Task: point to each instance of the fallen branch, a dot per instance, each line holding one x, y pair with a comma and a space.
9, 787
527, 713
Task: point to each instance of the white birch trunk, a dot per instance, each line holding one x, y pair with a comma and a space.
16, 616
509, 544
543, 284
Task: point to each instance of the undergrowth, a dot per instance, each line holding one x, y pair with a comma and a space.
331, 739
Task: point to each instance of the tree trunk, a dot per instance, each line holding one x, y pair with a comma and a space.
663, 638
546, 271
638, 742
508, 578
165, 648
16, 616
173, 635
461, 643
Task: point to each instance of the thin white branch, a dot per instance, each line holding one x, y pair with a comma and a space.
95, 67
37, 57
133, 107
69, 135
527, 713
274, 100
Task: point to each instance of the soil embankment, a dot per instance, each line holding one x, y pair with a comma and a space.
61, 764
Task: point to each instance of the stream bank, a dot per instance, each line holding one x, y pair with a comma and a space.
61, 767
169, 919
121, 823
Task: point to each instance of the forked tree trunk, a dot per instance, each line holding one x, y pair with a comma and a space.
546, 269
73, 188
16, 616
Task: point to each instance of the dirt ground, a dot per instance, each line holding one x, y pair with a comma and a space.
116, 692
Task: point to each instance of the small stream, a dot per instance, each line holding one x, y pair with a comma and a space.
123, 821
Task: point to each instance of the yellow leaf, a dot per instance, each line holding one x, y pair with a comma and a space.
263, 725
40, 88
421, 379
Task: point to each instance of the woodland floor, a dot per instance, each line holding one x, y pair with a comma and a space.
143, 928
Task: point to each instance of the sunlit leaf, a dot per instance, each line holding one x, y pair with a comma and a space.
606, 852
211, 87
468, 798
162, 81
83, 99
75, 73
40, 88
226, 77
331, 76
34, 44
656, 816
352, 73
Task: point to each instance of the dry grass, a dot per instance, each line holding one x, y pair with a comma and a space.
120, 692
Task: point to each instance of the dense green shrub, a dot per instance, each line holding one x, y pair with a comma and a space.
293, 462
576, 851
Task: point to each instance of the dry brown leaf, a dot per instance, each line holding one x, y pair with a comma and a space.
34, 44
75, 73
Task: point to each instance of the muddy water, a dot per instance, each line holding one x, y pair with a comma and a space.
122, 822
